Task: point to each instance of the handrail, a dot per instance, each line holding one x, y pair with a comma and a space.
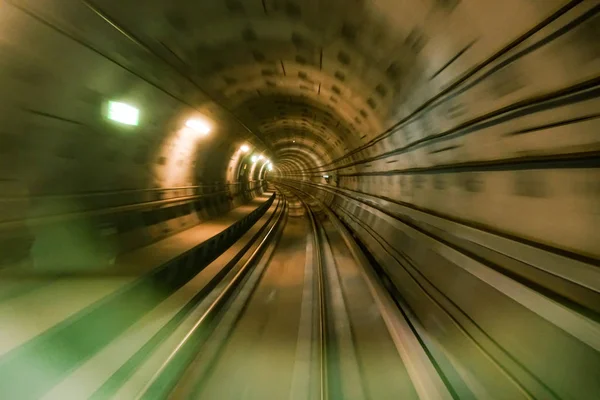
123, 191
97, 211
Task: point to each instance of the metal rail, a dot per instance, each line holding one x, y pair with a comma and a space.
224, 296
408, 269
322, 328
139, 206
199, 370
426, 379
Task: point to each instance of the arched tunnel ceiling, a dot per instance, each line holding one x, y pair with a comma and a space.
314, 81
324, 73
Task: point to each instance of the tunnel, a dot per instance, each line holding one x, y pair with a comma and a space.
297, 199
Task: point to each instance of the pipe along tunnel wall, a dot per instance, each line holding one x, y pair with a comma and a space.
457, 139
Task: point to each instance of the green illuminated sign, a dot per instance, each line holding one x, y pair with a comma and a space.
123, 113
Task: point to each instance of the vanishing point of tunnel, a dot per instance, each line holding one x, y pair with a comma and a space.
299, 199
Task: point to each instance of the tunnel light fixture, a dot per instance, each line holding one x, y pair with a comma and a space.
261, 157
198, 126
270, 167
245, 148
254, 159
326, 176
123, 113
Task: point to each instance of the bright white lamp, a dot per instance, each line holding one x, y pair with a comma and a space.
198, 126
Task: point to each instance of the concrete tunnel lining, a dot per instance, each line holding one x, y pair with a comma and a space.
338, 41
475, 119
368, 93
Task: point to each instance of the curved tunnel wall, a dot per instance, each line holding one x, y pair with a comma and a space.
481, 112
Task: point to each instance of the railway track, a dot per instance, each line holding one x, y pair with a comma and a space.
220, 306
310, 313
330, 331
370, 350
536, 311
